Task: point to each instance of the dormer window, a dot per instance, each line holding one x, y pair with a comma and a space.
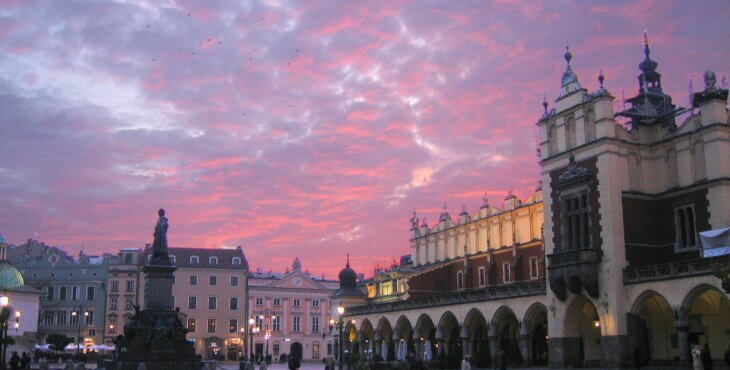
194, 260
213, 261
236, 261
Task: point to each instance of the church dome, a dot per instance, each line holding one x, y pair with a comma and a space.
347, 275
348, 283
10, 277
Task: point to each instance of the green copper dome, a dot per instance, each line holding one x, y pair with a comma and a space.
10, 277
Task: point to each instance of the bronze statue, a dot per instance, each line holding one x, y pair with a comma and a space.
159, 246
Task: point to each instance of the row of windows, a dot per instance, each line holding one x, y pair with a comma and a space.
212, 280
212, 303
212, 261
296, 302
129, 286
233, 325
65, 317
506, 274
73, 294
128, 302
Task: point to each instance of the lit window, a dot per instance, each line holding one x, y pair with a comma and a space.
191, 325
213, 261
211, 325
232, 325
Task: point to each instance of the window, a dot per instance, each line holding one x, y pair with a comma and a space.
296, 302
276, 349
684, 221
62, 293
236, 261
482, 276
62, 315
74, 319
386, 287
192, 303
113, 303
90, 293
89, 317
232, 325
50, 293
211, 325
277, 302
576, 228
506, 272
315, 303
276, 323
213, 261
459, 280
75, 293
128, 303
191, 325
534, 268
296, 323
115, 286
213, 280
130, 285
234, 280
92, 332
259, 301
315, 324
212, 303
112, 324
233, 304
194, 260
193, 280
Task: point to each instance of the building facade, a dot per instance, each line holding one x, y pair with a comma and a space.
125, 288
612, 273
73, 293
292, 312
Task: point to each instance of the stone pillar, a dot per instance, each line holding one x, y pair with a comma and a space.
465, 346
683, 343
492, 346
525, 348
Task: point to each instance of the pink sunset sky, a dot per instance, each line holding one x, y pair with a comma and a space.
301, 128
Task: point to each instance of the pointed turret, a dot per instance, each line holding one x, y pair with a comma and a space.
569, 83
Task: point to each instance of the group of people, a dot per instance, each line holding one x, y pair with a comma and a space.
702, 359
19, 362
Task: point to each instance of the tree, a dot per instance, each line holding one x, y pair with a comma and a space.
58, 342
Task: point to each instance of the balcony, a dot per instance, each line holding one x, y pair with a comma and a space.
574, 270
574, 257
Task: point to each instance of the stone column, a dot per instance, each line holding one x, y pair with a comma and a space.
464, 346
492, 346
683, 342
525, 348
361, 343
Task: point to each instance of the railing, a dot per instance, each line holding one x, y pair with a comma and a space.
489, 293
575, 256
673, 270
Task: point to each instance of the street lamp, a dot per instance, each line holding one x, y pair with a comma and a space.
251, 323
340, 323
75, 313
242, 330
266, 317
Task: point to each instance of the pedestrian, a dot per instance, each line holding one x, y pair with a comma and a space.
293, 362
696, 359
706, 357
329, 362
25, 361
466, 363
14, 361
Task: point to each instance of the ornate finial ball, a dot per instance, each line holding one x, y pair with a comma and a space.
568, 56
710, 80
161, 212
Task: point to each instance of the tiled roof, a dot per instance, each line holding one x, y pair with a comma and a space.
183, 256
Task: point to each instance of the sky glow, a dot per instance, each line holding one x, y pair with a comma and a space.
307, 129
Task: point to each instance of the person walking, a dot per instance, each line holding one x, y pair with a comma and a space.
696, 358
25, 361
14, 361
466, 363
706, 357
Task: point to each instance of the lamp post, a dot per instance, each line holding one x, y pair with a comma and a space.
340, 323
242, 330
5, 313
266, 317
75, 313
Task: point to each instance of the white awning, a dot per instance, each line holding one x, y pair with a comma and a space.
715, 242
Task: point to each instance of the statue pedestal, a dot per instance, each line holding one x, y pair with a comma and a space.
155, 336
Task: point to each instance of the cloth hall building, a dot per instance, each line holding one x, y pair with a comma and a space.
601, 266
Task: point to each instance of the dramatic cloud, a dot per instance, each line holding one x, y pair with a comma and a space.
307, 129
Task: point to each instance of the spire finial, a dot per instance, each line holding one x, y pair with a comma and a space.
601, 78
568, 55
348, 260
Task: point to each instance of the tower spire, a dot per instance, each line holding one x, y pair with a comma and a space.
569, 82
348, 260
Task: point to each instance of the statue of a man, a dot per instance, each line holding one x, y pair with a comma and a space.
159, 246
